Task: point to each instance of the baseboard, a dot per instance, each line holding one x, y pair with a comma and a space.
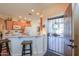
56, 53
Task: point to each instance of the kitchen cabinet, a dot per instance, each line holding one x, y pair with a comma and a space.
9, 25
1, 24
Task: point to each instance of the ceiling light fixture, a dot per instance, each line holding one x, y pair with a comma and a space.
37, 13
32, 10
25, 18
20, 16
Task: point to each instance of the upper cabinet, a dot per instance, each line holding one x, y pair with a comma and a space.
10, 25
22, 24
1, 24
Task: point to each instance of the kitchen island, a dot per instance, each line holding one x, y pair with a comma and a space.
39, 44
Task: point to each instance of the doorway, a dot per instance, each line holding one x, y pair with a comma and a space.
56, 35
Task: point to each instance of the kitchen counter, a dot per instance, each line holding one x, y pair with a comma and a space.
17, 35
39, 44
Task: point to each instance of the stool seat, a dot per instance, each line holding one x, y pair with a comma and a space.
4, 41
24, 44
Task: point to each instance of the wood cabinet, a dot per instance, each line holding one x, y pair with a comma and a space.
9, 24
1, 24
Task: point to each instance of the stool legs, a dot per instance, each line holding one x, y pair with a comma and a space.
7, 45
30, 50
23, 50
0, 49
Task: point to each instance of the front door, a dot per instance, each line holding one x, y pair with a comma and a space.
56, 35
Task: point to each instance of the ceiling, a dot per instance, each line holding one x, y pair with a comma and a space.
23, 9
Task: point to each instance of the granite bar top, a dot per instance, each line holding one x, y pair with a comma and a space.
21, 36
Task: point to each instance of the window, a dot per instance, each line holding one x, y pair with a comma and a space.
58, 26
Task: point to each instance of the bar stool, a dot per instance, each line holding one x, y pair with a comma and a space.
24, 44
0, 48
4, 47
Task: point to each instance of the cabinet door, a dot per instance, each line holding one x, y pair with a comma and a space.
1, 24
16, 48
9, 25
44, 43
39, 45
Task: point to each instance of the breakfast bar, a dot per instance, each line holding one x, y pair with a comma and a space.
39, 44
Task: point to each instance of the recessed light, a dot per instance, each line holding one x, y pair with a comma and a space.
29, 19
25, 18
20, 16
32, 10
37, 13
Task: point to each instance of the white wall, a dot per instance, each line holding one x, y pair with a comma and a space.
55, 10
34, 28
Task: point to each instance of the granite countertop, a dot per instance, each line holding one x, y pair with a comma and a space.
20, 36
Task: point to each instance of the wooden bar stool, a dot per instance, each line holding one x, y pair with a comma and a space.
4, 47
0, 48
24, 44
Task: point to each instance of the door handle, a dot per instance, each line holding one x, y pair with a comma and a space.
73, 46
71, 40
